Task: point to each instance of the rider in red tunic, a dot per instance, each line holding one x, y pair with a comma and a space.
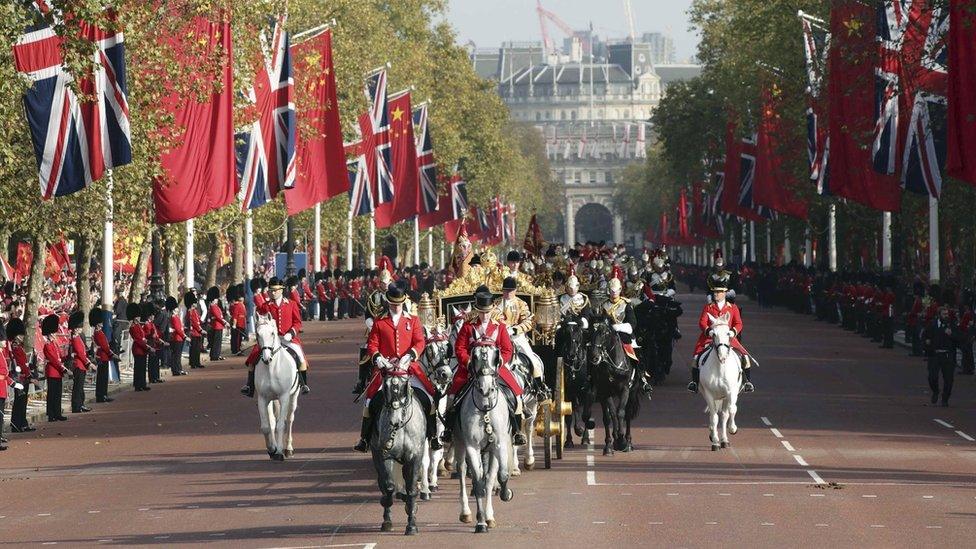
286, 314
395, 342
485, 327
716, 308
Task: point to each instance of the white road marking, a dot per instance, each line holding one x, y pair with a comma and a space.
766, 421
590, 459
243, 504
599, 522
576, 493
711, 523
786, 444
44, 514
869, 496
965, 436
626, 494
104, 541
776, 432
768, 524
724, 494
543, 522
673, 494
655, 523
767, 495
268, 532
50, 543
817, 495
816, 478
144, 509
928, 497
877, 526
933, 527
944, 424
822, 525
799, 459
591, 478
361, 545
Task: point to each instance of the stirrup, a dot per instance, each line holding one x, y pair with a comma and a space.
447, 437
693, 387
305, 390
519, 439
748, 387
247, 391
435, 443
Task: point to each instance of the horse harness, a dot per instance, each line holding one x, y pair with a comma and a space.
396, 404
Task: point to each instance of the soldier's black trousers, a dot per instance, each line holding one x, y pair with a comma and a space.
78, 390
216, 341
196, 344
101, 380
942, 362
18, 414
139, 371
54, 387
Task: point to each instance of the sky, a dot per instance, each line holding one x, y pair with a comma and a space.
488, 23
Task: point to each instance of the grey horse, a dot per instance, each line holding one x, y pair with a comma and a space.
437, 365
400, 437
484, 441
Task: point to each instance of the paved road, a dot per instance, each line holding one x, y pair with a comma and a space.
185, 464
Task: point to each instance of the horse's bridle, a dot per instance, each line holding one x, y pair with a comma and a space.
486, 370
395, 404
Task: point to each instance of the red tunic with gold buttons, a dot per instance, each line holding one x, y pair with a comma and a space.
286, 315
393, 342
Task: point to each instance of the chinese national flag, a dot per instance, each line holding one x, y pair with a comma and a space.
403, 154
321, 159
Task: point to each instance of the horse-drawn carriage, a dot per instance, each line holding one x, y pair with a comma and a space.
452, 304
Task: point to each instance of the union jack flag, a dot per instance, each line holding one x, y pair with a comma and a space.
376, 135
425, 159
816, 44
459, 196
910, 90
266, 150
74, 141
747, 175
360, 195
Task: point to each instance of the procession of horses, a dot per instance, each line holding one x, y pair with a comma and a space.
451, 383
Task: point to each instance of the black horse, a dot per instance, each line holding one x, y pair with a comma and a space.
613, 385
656, 331
571, 346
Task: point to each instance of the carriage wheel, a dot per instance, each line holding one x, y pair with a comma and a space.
559, 397
547, 439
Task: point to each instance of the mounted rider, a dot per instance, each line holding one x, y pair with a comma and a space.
721, 277
718, 306
395, 342
484, 327
515, 314
288, 318
375, 307
573, 303
619, 311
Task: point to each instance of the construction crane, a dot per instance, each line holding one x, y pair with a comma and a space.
630, 21
547, 44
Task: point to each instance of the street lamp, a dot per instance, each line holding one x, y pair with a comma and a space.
290, 247
156, 290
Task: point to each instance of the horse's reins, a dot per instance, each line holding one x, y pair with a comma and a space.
492, 394
396, 404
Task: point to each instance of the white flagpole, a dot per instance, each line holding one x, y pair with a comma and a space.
832, 239
188, 273
108, 252
248, 245
349, 240
318, 239
807, 248
430, 247
752, 241
372, 240
933, 239
745, 244
416, 240
886, 241
442, 254
769, 244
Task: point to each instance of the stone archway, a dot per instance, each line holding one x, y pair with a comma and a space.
594, 222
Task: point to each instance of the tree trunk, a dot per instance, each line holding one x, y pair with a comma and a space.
171, 262
86, 250
34, 287
239, 253
142, 270
213, 262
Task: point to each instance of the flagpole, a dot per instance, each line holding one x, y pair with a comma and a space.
249, 245
430, 247
769, 244
372, 240
188, 273
752, 241
886, 241
349, 240
108, 268
416, 240
933, 239
745, 250
832, 239
442, 255
807, 248
318, 239
787, 252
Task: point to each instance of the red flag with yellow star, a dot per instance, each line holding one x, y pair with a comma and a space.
407, 201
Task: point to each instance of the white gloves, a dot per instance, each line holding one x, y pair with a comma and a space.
624, 327
18, 386
288, 337
405, 361
586, 323
369, 324
382, 363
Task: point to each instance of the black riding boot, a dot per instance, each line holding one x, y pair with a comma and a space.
363, 376
693, 386
747, 387
303, 381
364, 433
448, 435
248, 390
435, 443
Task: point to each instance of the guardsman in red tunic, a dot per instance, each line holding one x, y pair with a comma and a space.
215, 317
176, 337
140, 346
7, 380
238, 318
79, 362
289, 320
54, 370
395, 342
103, 354
155, 340
484, 327
716, 308
195, 326
18, 416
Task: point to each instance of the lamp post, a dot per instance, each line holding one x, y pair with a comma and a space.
290, 247
156, 291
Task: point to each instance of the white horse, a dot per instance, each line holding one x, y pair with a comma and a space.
437, 366
276, 389
530, 409
721, 380
484, 441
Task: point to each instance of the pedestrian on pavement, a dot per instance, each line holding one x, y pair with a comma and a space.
54, 369
80, 364
196, 329
18, 414
103, 354
140, 347
176, 338
942, 359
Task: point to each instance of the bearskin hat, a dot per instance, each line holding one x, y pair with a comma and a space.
49, 325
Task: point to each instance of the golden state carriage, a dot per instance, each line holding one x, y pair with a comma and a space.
442, 309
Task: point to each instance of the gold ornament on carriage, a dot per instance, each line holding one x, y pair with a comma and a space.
427, 312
